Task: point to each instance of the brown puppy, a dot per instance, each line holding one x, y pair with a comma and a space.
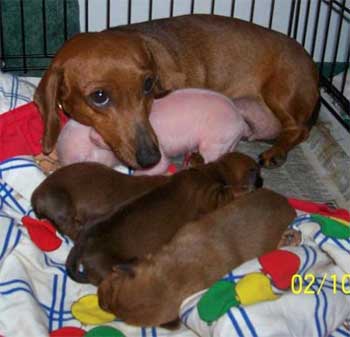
151, 220
75, 194
108, 80
150, 292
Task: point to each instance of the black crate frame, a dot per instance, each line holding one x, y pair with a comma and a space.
296, 29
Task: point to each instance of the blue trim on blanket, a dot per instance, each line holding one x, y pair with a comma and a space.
8, 195
29, 290
63, 297
154, 332
248, 321
317, 322
57, 265
18, 96
186, 314
235, 323
343, 332
310, 258
7, 239
325, 310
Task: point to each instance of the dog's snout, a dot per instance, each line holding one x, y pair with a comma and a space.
147, 157
255, 178
259, 182
147, 153
75, 268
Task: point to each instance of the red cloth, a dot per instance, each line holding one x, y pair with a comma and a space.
280, 265
42, 233
21, 130
322, 209
68, 331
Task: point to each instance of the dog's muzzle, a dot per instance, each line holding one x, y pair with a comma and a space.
255, 179
147, 152
259, 182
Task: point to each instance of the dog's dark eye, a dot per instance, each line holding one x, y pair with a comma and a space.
148, 85
99, 98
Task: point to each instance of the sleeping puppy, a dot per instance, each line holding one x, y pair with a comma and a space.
151, 220
150, 292
74, 194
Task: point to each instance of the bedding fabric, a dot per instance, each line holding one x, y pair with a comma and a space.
37, 298
316, 307
36, 295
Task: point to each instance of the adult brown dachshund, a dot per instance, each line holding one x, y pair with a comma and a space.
150, 292
77, 193
151, 220
109, 79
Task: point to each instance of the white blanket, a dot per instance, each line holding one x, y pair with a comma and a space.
318, 311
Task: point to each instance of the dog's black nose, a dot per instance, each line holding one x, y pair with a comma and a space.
255, 178
146, 157
259, 181
147, 153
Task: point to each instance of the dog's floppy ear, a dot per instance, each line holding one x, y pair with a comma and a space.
168, 72
46, 98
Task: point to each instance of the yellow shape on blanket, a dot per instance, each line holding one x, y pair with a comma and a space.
254, 288
87, 311
343, 222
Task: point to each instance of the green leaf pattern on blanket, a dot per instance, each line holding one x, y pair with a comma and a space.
217, 300
104, 331
332, 227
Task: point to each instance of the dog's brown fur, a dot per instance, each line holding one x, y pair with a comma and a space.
75, 194
151, 291
231, 56
151, 220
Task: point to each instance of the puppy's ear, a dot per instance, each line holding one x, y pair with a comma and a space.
166, 68
46, 98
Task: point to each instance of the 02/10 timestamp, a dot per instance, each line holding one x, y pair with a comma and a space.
309, 284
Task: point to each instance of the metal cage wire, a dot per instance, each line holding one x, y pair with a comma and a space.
319, 25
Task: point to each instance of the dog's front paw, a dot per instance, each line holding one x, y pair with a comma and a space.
272, 158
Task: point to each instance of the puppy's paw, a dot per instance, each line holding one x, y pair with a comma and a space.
272, 158
194, 159
290, 238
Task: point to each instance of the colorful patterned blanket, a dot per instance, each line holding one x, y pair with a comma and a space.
37, 298
300, 291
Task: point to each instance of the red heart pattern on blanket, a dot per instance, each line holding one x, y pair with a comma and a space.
280, 265
99, 331
42, 233
68, 331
